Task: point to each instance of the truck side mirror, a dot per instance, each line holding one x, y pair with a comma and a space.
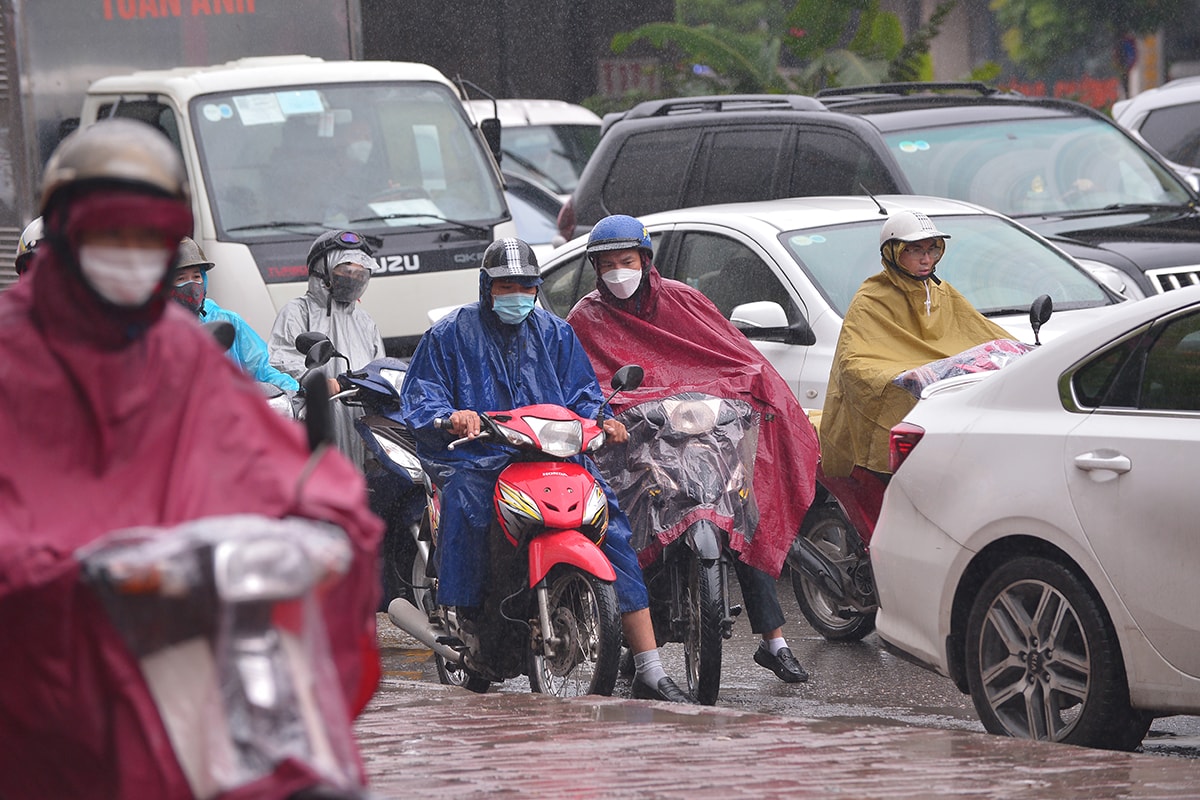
490, 128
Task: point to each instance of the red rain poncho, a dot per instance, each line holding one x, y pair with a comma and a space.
684, 344
107, 426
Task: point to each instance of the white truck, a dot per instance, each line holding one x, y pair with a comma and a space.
278, 148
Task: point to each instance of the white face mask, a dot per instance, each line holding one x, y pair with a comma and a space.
124, 276
623, 282
359, 151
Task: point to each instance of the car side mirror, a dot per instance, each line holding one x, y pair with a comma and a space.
765, 320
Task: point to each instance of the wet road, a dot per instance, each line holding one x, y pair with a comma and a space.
851, 683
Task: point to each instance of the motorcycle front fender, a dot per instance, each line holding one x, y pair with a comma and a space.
567, 547
706, 539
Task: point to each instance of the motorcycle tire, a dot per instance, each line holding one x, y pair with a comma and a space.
827, 528
586, 626
1043, 660
424, 598
703, 639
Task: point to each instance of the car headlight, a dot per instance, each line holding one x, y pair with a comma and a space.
1113, 278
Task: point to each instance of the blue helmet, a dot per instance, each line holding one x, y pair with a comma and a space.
618, 232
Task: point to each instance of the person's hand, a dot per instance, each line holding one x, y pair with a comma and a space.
334, 386
464, 423
615, 431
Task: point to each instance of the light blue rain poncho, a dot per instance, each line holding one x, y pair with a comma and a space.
350, 328
248, 350
470, 360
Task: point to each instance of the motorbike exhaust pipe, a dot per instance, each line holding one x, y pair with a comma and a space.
819, 569
413, 621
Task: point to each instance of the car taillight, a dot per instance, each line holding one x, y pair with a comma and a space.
903, 439
566, 220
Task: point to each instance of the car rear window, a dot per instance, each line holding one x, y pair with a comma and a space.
649, 172
1175, 132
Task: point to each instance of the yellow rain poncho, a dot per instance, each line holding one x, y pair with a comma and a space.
894, 323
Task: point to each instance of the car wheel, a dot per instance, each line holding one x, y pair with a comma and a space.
1043, 661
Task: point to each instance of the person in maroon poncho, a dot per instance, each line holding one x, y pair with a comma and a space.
635, 316
121, 411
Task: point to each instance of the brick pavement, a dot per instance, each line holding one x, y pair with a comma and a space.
421, 739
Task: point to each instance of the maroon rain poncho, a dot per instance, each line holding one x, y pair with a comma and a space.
684, 344
113, 420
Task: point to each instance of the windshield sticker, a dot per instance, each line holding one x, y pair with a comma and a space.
211, 112
914, 147
258, 109
805, 241
306, 101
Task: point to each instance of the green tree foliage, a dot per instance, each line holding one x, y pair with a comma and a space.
1036, 33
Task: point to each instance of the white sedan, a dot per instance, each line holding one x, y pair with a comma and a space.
1038, 542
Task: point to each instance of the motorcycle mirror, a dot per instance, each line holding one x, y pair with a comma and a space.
629, 377
223, 332
317, 416
1040, 311
320, 353
306, 340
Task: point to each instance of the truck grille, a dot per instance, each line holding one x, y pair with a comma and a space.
1164, 280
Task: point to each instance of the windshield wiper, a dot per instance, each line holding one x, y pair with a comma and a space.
1147, 206
277, 224
546, 179
439, 219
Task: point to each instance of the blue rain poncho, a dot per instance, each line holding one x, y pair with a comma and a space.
470, 360
249, 351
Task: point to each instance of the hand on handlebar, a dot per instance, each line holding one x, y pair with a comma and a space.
464, 423
615, 431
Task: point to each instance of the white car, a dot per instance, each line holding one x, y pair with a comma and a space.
1038, 540
547, 141
1168, 119
785, 270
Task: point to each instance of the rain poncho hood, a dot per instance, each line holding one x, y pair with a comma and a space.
106, 432
684, 344
889, 329
249, 351
354, 335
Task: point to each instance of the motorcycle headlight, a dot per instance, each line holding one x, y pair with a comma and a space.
692, 416
558, 437
393, 376
262, 569
401, 457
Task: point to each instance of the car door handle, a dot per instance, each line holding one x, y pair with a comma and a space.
1103, 459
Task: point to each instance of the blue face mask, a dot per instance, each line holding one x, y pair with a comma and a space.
512, 309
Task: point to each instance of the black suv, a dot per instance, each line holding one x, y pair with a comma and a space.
1059, 167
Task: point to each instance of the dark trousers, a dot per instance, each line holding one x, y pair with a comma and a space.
759, 597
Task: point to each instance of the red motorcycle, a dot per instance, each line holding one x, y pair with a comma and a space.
550, 609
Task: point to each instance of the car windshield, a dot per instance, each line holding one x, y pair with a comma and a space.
553, 155
371, 156
1034, 166
997, 265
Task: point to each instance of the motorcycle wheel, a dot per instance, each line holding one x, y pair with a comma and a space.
1043, 661
702, 643
827, 528
449, 673
586, 626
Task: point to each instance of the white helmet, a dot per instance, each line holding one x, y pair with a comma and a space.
28, 241
909, 226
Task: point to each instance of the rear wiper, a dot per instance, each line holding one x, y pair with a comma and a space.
439, 219
277, 224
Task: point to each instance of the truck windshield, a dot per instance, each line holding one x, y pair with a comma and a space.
1034, 166
367, 156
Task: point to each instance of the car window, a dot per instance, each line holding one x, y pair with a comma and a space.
1171, 378
1111, 379
1175, 132
737, 165
729, 274
1031, 166
829, 162
648, 173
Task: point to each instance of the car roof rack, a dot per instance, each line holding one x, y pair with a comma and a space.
722, 103
850, 94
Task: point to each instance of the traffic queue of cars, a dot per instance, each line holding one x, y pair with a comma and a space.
1035, 542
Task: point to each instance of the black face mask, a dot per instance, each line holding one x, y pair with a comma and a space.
347, 288
190, 295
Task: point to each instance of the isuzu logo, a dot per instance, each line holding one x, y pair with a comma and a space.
410, 262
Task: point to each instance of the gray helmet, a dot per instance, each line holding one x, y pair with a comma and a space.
511, 259
119, 151
190, 255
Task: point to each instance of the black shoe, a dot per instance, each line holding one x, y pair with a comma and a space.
666, 691
783, 664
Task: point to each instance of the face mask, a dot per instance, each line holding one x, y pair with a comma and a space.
512, 309
347, 288
623, 282
359, 151
124, 276
190, 295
